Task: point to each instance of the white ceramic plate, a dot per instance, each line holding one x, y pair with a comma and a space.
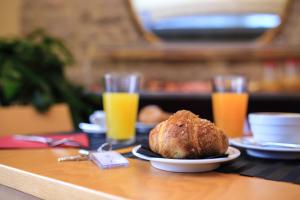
142, 125
271, 152
187, 165
144, 128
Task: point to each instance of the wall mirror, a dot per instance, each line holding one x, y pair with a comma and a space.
209, 20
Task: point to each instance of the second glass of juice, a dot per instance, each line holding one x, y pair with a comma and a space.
120, 103
230, 102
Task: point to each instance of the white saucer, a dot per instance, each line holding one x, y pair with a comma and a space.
272, 152
188, 165
92, 128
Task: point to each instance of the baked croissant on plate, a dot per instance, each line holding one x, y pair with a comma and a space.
185, 135
152, 114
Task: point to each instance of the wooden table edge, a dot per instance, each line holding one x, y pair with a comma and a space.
47, 188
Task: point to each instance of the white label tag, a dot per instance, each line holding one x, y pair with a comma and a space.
108, 159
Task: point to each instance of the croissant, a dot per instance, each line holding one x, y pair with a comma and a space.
152, 114
185, 135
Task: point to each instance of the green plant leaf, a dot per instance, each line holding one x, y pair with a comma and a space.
9, 80
10, 88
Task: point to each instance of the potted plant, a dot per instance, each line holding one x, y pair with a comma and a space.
32, 73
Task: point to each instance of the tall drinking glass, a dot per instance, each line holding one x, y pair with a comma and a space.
120, 102
230, 102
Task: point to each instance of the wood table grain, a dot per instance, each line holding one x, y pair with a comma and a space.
38, 173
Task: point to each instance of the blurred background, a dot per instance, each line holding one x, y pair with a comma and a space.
176, 46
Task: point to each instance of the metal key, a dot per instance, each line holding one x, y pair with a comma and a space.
73, 158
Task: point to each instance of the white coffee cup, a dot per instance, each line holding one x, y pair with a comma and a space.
275, 127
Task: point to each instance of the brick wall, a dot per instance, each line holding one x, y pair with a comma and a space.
94, 24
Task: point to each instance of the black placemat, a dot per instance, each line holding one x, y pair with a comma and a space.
276, 170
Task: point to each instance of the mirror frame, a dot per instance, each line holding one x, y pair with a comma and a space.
266, 38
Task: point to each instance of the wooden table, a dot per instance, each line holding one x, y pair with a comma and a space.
38, 173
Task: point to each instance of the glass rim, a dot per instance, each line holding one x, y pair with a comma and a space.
111, 75
228, 77
230, 83
119, 82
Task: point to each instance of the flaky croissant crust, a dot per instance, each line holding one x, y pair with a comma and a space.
185, 135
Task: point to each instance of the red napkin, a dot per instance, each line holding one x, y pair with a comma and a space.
9, 142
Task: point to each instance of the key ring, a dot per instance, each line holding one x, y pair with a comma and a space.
105, 147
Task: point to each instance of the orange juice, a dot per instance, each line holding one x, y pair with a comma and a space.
230, 111
121, 112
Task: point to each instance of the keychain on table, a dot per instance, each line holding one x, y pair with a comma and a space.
104, 157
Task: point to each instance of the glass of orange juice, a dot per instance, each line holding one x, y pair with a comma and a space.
230, 102
120, 103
